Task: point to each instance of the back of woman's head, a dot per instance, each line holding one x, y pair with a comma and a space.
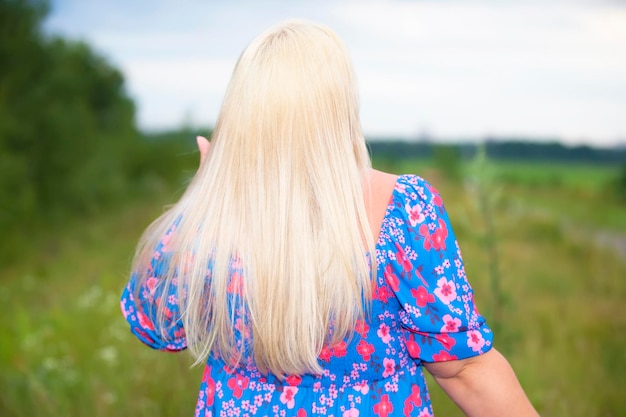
294, 90
281, 193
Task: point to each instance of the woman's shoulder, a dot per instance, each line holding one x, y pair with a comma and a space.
386, 178
412, 188
400, 199
413, 180
415, 202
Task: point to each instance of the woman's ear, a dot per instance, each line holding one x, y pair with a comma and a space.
203, 146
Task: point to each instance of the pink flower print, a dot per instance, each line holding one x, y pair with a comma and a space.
144, 335
412, 346
425, 233
237, 384
125, 312
413, 400
384, 407
383, 333
326, 354
415, 214
288, 396
179, 333
362, 327
302, 412
206, 374
151, 283
425, 413
362, 387
391, 278
165, 241
383, 294
391, 386
443, 356
436, 200
365, 349
475, 340
446, 341
353, 412
294, 380
439, 236
242, 328
445, 291
210, 386
235, 286
402, 259
167, 313
451, 324
340, 350
422, 296
390, 367
144, 321
236, 262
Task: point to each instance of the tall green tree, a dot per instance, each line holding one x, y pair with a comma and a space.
67, 132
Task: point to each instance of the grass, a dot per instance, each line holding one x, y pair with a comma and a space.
65, 349
65, 352
565, 191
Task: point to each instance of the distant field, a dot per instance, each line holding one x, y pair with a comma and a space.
575, 193
65, 349
544, 174
576, 176
581, 196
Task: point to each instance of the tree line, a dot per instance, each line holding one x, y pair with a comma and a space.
503, 150
69, 145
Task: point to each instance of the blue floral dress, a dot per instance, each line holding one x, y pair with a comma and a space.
422, 311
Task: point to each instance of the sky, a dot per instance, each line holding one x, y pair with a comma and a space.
448, 70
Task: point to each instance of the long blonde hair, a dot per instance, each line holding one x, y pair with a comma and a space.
279, 199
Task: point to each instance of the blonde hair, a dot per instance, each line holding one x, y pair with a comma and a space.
278, 201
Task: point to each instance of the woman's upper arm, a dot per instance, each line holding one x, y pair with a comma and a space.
483, 386
453, 368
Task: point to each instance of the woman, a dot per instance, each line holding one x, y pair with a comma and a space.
308, 282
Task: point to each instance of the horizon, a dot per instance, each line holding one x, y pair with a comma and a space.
619, 146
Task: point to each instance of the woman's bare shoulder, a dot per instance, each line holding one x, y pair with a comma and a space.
378, 193
382, 183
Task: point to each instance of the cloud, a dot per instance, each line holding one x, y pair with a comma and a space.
173, 91
468, 69
456, 69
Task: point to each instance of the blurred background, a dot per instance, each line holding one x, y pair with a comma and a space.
515, 110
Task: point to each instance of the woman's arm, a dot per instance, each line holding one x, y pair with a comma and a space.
483, 385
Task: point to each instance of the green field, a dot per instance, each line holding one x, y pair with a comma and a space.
65, 349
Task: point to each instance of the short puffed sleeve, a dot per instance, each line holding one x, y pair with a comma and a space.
141, 298
424, 269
